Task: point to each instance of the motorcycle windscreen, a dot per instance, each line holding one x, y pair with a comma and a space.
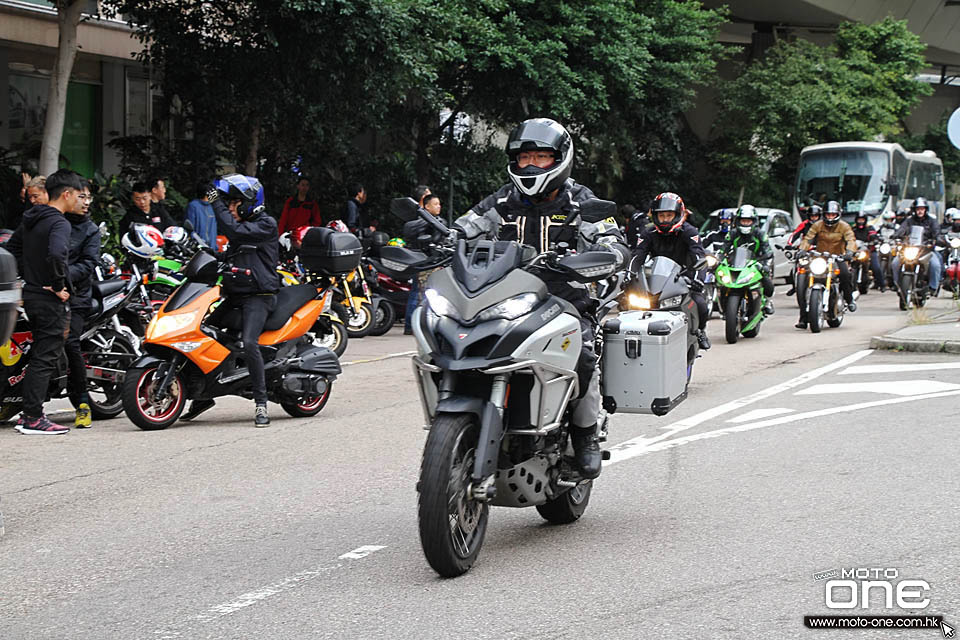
916, 236
741, 257
662, 271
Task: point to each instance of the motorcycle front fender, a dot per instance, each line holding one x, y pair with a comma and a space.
146, 361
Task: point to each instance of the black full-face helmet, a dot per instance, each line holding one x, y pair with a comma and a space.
814, 213
861, 220
540, 134
832, 214
668, 202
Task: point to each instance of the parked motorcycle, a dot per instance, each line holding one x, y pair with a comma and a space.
193, 353
490, 330
740, 294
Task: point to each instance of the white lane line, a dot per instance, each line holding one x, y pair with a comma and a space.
623, 450
758, 414
361, 552
379, 358
898, 368
669, 444
253, 597
892, 387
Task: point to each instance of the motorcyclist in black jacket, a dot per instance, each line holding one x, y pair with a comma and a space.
255, 245
868, 235
83, 260
719, 235
920, 217
746, 232
675, 238
540, 207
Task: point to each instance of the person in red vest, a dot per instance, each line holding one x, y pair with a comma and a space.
298, 211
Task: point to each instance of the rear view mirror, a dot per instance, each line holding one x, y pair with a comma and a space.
188, 226
404, 208
595, 210
893, 188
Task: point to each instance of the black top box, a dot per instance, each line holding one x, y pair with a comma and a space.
328, 252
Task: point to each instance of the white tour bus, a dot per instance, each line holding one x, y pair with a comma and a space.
874, 177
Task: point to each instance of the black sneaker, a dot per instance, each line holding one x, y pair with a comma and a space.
768, 307
801, 325
407, 331
586, 450
196, 408
703, 339
260, 417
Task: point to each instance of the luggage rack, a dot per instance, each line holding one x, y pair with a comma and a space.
530, 367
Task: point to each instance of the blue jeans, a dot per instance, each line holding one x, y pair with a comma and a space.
411, 302
934, 270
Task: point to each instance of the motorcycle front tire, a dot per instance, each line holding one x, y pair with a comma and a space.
136, 385
906, 291
360, 323
753, 308
815, 310
731, 318
383, 318
448, 457
112, 406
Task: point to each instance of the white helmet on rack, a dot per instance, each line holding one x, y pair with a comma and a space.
175, 235
143, 241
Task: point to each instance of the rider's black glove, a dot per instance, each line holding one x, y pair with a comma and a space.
848, 255
212, 193
801, 254
696, 285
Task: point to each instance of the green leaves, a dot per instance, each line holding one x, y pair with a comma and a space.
800, 94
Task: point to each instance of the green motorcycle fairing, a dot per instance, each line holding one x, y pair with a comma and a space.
742, 272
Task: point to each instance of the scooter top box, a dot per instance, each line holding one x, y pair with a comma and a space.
645, 362
327, 251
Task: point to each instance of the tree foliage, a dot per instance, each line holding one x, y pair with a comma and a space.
859, 88
269, 84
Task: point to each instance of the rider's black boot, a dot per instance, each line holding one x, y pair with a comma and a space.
703, 339
586, 449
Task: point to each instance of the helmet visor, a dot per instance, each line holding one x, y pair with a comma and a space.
535, 135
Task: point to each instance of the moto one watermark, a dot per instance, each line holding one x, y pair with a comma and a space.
871, 590
852, 588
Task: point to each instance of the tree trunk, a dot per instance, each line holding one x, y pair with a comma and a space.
253, 149
68, 17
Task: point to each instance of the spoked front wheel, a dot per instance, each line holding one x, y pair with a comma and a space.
452, 523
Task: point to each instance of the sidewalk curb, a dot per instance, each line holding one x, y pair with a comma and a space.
911, 344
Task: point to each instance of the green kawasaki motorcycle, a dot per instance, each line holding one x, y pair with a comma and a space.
740, 294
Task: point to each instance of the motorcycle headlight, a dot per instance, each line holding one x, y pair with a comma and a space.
161, 326
510, 309
818, 266
635, 301
725, 278
955, 243
861, 255
911, 253
671, 302
885, 248
440, 305
711, 260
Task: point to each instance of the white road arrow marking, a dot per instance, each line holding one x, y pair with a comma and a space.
898, 368
890, 387
759, 414
361, 552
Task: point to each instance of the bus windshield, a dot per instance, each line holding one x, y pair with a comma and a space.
854, 178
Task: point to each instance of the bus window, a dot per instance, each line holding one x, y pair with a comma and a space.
855, 178
900, 164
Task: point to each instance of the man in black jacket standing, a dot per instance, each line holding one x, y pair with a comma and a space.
255, 245
84, 256
144, 212
41, 245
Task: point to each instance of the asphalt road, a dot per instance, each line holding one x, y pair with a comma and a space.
794, 454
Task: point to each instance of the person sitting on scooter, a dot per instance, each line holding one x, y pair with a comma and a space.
931, 231
675, 238
747, 233
540, 207
833, 235
719, 235
866, 234
238, 204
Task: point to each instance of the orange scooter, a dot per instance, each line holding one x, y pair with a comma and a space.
192, 353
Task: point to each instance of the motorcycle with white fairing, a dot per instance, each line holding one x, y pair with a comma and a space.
497, 372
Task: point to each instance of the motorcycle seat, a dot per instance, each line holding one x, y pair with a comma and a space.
105, 288
289, 299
